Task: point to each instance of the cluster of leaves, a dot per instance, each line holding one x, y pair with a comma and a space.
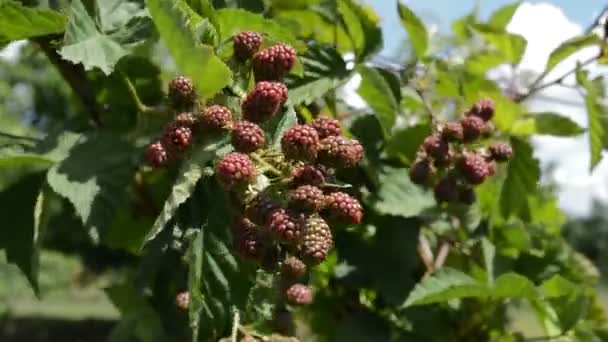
73, 180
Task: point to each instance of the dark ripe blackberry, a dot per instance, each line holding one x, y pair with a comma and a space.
264, 101
483, 109
246, 44
273, 63
182, 92
182, 301
260, 208
282, 322
247, 137
248, 240
177, 138
300, 142
293, 268
306, 198
299, 294
446, 190
344, 207
452, 131
286, 225
271, 258
235, 169
185, 119
473, 128
308, 175
340, 152
215, 117
501, 152
437, 148
316, 241
156, 155
473, 168
467, 196
422, 171
327, 127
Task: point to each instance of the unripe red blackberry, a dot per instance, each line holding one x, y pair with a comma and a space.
300, 142
247, 137
484, 109
156, 155
467, 196
293, 268
260, 208
422, 171
264, 101
235, 169
248, 240
181, 92
215, 117
246, 44
299, 294
177, 138
327, 127
182, 301
452, 131
472, 128
501, 152
446, 190
316, 241
474, 168
437, 148
274, 63
286, 225
308, 175
306, 198
184, 119
344, 207
340, 152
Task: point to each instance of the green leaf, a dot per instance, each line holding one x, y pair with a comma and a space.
398, 196
324, 70
195, 274
283, 122
378, 94
548, 123
595, 112
113, 14
361, 24
479, 63
511, 46
20, 22
94, 178
406, 142
523, 174
445, 285
234, 20
208, 73
557, 286
568, 48
489, 252
502, 16
191, 171
417, 34
512, 285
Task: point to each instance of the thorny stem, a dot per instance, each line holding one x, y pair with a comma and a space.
235, 325
19, 137
265, 165
427, 105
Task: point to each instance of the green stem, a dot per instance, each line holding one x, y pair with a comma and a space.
18, 137
265, 165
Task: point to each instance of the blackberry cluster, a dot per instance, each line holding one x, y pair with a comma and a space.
452, 160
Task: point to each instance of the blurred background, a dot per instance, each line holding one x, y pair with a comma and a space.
74, 308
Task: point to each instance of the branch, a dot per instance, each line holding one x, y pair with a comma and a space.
426, 103
19, 137
74, 75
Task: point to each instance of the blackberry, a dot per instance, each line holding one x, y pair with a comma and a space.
299, 294
422, 171
340, 152
308, 175
177, 138
472, 128
446, 190
467, 196
474, 168
215, 117
344, 207
273, 63
182, 92
282, 323
300, 142
235, 169
501, 152
316, 241
156, 155
182, 301
185, 119
306, 198
247, 137
327, 127
293, 268
437, 148
452, 131
286, 225
246, 44
264, 101
260, 209
248, 240
483, 109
